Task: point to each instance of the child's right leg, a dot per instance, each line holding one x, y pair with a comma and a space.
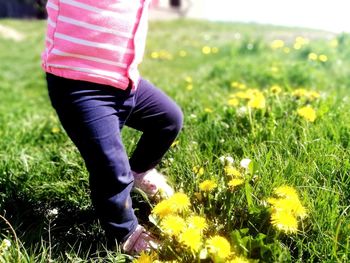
89, 114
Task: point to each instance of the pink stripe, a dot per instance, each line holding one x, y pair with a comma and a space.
94, 36
99, 19
83, 63
113, 5
69, 47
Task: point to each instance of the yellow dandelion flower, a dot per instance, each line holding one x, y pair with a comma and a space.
301, 40
285, 222
242, 86
308, 94
239, 259
163, 54
286, 50
322, 58
297, 46
191, 238
235, 84
312, 56
232, 171
208, 110
172, 225
214, 50
286, 192
189, 79
219, 246
276, 44
206, 50
275, 89
299, 92
274, 69
313, 95
55, 130
179, 202
257, 102
198, 170
300, 211
244, 94
233, 102
235, 182
189, 87
182, 53
197, 222
308, 113
146, 258
292, 206
207, 185
154, 55
163, 209
272, 201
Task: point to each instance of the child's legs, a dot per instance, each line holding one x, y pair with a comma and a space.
88, 114
160, 119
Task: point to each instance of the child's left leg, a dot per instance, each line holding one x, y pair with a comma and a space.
160, 119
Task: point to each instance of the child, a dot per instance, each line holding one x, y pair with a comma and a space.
91, 57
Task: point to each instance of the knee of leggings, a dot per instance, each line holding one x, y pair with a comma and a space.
175, 120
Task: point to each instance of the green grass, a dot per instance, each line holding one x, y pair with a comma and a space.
41, 170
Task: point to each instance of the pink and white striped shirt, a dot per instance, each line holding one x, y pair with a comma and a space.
100, 41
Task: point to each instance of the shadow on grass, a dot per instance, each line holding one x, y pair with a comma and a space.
65, 228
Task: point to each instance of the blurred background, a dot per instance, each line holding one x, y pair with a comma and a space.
325, 14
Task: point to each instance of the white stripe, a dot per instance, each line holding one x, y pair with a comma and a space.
51, 23
93, 44
92, 71
51, 5
93, 27
100, 11
100, 60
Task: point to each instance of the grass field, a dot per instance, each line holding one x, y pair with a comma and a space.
277, 96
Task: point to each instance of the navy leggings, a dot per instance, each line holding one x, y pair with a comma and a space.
93, 116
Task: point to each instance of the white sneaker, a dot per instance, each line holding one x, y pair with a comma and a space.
140, 240
153, 183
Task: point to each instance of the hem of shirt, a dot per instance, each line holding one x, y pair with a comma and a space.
99, 79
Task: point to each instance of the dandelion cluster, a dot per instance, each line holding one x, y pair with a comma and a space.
299, 43
307, 112
198, 170
277, 44
286, 209
189, 83
162, 55
194, 233
314, 57
249, 98
207, 50
253, 98
236, 174
190, 231
309, 95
